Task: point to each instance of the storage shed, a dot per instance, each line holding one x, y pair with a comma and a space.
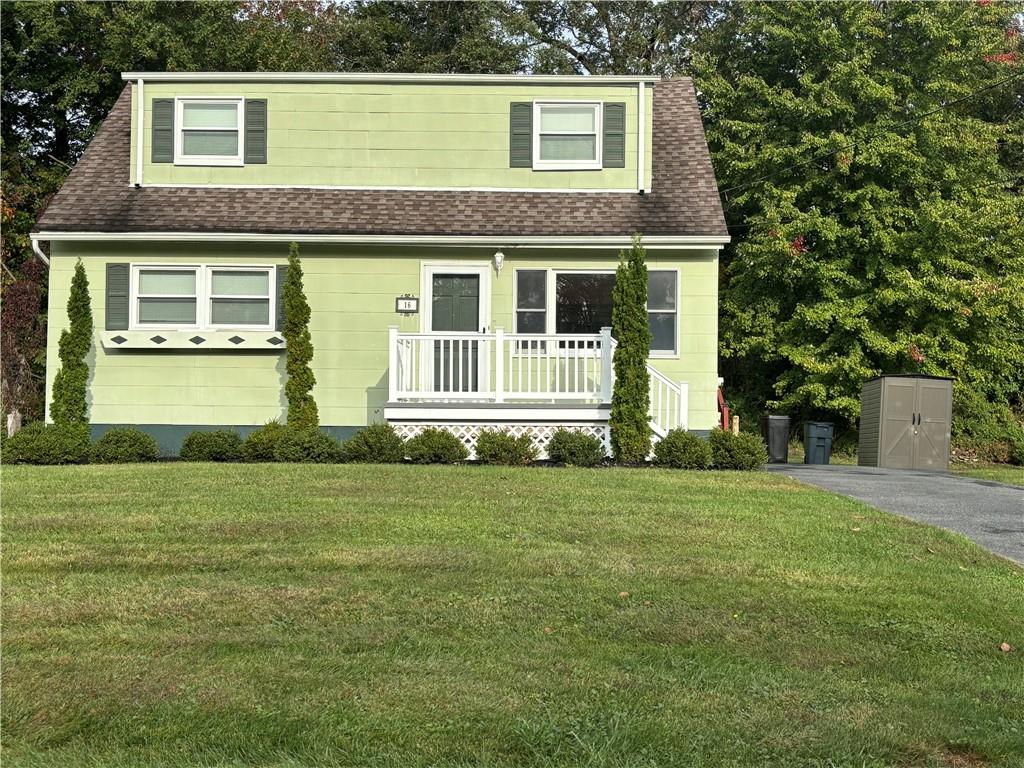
905, 422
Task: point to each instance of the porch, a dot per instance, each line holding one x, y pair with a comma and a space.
524, 383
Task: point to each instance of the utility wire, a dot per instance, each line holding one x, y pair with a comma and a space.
851, 145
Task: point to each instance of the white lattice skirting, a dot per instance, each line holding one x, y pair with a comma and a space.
540, 433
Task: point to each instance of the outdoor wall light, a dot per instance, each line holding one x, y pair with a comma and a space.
499, 261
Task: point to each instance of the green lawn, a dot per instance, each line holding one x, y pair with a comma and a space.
1001, 473
182, 615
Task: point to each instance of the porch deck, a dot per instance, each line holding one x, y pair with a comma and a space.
524, 383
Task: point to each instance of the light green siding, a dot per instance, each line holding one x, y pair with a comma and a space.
393, 134
351, 293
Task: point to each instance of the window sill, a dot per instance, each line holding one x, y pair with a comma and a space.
235, 162
542, 166
194, 339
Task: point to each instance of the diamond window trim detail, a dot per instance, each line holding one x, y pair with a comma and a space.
236, 339
275, 340
197, 340
119, 339
158, 339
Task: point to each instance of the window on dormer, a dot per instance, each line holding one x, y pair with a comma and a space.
209, 132
567, 135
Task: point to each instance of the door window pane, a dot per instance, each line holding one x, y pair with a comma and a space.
583, 302
200, 114
175, 282
557, 147
240, 311
177, 311
241, 283
209, 143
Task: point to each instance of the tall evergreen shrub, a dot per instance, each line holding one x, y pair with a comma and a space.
68, 406
302, 410
631, 433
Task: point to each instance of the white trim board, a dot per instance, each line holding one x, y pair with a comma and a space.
383, 77
365, 188
652, 242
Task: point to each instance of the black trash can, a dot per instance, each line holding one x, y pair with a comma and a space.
817, 442
775, 431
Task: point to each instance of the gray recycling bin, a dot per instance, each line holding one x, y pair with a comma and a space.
775, 431
817, 442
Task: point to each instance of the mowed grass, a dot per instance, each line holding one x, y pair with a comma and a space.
1000, 473
189, 614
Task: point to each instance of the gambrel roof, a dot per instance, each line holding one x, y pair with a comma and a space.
683, 201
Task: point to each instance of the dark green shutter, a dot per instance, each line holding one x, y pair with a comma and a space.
614, 139
118, 277
163, 130
282, 274
520, 135
255, 131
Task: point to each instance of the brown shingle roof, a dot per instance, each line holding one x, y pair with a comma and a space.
96, 197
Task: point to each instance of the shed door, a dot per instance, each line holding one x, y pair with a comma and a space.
931, 449
899, 404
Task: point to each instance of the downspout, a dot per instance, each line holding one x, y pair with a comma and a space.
140, 128
39, 252
641, 139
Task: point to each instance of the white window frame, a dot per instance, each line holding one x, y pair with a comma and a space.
180, 158
204, 297
551, 304
515, 299
568, 165
674, 352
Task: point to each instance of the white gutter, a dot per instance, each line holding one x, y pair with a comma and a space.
615, 241
641, 139
140, 133
381, 77
39, 252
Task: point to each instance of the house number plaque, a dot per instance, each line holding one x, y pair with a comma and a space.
407, 305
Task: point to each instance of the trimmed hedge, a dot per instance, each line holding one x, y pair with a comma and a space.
494, 447
436, 446
744, 451
124, 445
307, 445
575, 449
221, 445
377, 444
40, 443
260, 444
680, 449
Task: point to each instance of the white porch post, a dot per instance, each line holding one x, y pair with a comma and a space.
392, 363
606, 365
499, 364
684, 404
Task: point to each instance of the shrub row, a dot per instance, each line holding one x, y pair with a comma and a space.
723, 450
50, 444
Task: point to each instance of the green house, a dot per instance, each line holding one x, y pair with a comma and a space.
459, 235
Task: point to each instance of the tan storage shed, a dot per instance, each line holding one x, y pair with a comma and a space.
905, 422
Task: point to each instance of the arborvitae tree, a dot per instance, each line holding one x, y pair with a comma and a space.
302, 410
68, 406
630, 420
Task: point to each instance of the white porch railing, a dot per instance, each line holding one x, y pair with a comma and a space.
499, 367
509, 367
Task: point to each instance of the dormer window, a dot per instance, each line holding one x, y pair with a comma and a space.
567, 135
209, 132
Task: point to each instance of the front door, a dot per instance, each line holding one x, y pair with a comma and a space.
455, 309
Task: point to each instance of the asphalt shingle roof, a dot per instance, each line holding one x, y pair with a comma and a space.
97, 197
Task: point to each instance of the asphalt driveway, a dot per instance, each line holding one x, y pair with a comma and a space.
992, 514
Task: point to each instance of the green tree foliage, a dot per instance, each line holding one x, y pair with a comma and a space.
302, 410
629, 421
69, 406
870, 159
609, 37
